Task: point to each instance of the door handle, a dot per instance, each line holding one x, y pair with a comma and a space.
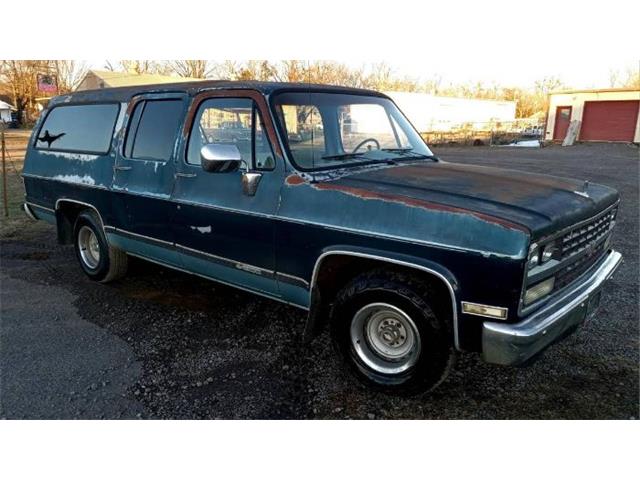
185, 175
120, 167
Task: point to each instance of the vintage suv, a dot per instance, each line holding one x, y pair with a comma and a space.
325, 198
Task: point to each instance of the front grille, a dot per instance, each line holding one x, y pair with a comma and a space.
568, 274
577, 250
588, 234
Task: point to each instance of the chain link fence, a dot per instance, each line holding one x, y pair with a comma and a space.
485, 133
12, 187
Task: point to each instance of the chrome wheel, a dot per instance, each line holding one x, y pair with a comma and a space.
89, 247
385, 338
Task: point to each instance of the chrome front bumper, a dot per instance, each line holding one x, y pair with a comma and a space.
514, 344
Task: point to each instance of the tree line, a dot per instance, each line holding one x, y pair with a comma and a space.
18, 79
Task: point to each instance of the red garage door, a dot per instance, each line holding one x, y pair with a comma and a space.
613, 121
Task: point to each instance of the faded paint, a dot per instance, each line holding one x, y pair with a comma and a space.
80, 157
415, 203
206, 229
85, 179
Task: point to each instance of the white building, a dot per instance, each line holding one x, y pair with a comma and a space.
610, 115
5, 112
430, 113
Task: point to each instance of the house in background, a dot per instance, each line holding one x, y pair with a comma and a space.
605, 115
5, 112
96, 79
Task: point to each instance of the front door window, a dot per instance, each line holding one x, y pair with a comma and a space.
234, 121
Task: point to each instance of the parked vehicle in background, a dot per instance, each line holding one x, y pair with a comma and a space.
329, 201
533, 132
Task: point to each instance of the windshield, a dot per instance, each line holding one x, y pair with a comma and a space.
330, 130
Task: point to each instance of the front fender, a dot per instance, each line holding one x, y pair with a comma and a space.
316, 311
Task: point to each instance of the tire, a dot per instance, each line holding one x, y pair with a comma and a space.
98, 260
409, 354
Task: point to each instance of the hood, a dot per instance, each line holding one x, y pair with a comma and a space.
541, 203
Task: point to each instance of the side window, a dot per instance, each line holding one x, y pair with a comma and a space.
231, 121
153, 129
79, 128
133, 126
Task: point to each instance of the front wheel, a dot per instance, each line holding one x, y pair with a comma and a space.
392, 330
98, 260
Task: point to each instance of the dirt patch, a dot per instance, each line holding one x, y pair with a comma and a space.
34, 256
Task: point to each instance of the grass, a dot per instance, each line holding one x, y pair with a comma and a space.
17, 219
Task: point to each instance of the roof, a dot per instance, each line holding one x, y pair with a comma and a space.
123, 79
124, 94
6, 106
595, 90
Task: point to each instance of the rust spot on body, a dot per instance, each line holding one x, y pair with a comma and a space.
417, 203
504, 185
294, 180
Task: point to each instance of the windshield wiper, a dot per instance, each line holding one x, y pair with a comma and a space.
416, 156
343, 156
397, 150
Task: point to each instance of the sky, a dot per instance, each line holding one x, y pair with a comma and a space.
511, 43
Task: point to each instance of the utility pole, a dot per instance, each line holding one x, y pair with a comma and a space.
5, 198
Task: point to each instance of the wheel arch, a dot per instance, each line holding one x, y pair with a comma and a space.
66, 211
435, 271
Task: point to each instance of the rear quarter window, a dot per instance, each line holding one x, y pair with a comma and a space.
78, 128
153, 129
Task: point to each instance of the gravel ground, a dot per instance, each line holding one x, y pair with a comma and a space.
162, 344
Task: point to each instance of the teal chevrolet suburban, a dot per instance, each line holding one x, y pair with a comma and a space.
327, 199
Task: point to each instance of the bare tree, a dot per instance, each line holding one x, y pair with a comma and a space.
69, 74
191, 68
109, 65
547, 85
614, 77
292, 71
633, 78
628, 79
257, 70
382, 77
21, 77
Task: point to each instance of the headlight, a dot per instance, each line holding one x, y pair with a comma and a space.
539, 290
534, 256
540, 254
548, 252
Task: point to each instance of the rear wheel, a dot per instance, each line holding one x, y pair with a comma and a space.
393, 331
98, 260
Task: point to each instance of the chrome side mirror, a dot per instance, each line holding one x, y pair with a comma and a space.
225, 158
220, 158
